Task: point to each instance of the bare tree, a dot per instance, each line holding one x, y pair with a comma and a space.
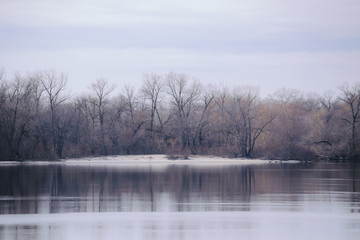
293, 134
176, 115
319, 123
89, 115
223, 138
328, 102
116, 125
201, 120
54, 85
38, 131
152, 89
184, 98
245, 121
135, 118
285, 96
16, 113
101, 89
351, 97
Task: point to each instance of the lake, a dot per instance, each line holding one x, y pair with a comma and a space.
150, 201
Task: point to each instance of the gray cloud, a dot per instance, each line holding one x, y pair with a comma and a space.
272, 44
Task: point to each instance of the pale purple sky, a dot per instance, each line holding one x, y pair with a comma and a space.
310, 45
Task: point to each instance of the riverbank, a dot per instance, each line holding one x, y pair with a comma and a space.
149, 159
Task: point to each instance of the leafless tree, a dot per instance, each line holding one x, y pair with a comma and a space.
134, 120
351, 97
245, 121
183, 98
102, 90
202, 118
173, 114
328, 102
116, 124
54, 85
152, 90
219, 123
16, 112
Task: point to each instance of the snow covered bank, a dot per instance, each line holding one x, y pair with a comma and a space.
160, 159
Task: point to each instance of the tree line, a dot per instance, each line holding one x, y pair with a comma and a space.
173, 114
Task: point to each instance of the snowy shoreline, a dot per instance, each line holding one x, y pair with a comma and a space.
149, 159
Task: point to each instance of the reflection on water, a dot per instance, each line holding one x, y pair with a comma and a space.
180, 202
59, 189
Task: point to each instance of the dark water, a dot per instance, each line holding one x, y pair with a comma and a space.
272, 201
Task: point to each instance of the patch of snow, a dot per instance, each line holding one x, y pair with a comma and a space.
159, 159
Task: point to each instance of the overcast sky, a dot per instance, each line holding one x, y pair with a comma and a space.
310, 45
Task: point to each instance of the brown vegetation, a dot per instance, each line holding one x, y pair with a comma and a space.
175, 115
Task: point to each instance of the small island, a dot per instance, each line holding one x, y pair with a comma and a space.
174, 115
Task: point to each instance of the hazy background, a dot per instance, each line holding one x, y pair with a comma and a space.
311, 45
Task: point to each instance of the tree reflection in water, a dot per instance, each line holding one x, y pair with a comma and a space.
184, 201
61, 188
57, 188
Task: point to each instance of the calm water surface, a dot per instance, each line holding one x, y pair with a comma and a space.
271, 201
